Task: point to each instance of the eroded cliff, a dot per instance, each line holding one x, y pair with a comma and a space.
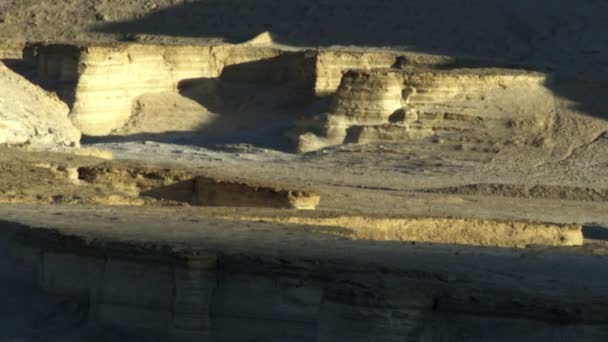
393, 105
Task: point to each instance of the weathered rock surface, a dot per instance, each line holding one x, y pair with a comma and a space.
500, 103
31, 116
203, 278
110, 87
331, 64
101, 82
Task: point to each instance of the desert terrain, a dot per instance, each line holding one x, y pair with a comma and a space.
328, 170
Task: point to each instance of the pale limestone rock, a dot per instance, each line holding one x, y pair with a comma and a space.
331, 64
500, 103
362, 134
31, 116
101, 83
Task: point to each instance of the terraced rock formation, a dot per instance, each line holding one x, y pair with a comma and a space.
390, 104
279, 282
101, 82
122, 88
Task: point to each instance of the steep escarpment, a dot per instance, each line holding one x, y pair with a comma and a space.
112, 88
331, 64
155, 275
101, 82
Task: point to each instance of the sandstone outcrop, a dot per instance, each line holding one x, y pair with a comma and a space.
31, 116
391, 104
100, 83
106, 86
464, 195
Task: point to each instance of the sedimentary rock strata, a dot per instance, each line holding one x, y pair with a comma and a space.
11, 50
477, 212
31, 116
496, 102
101, 82
105, 85
331, 64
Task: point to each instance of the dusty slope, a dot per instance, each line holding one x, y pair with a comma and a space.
31, 116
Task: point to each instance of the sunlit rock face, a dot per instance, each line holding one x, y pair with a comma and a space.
100, 83
394, 105
31, 116
107, 85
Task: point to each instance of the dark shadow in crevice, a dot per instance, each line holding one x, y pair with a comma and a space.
586, 93
180, 192
595, 232
23, 68
253, 103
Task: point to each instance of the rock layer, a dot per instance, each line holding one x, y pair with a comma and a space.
500, 103
103, 84
237, 281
